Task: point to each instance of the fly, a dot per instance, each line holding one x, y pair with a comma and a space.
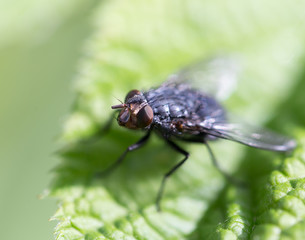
177, 111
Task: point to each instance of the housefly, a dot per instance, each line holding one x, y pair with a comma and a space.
186, 108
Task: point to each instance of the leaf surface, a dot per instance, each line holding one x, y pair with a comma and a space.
137, 45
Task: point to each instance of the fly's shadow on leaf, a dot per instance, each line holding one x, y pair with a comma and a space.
218, 218
289, 113
137, 177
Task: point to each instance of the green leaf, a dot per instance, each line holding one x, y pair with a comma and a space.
136, 45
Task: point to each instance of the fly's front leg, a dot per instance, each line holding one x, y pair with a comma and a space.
100, 132
132, 147
105, 129
170, 172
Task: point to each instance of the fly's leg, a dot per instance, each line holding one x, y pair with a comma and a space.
101, 132
170, 172
132, 147
215, 163
105, 129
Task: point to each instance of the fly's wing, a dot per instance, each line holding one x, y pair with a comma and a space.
249, 135
216, 77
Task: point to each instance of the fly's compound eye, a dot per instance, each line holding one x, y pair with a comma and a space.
124, 116
145, 117
131, 94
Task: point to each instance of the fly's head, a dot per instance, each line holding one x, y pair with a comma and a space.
136, 112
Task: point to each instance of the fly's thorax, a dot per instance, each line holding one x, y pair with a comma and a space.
136, 113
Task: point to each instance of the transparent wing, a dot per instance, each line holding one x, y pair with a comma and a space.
249, 135
216, 77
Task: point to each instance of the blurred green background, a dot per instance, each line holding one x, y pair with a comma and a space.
40, 45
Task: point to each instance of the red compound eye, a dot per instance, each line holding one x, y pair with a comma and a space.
145, 117
124, 116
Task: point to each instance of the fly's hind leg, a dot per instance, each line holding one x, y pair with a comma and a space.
227, 176
170, 172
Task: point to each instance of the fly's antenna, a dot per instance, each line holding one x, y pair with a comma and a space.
122, 105
119, 100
